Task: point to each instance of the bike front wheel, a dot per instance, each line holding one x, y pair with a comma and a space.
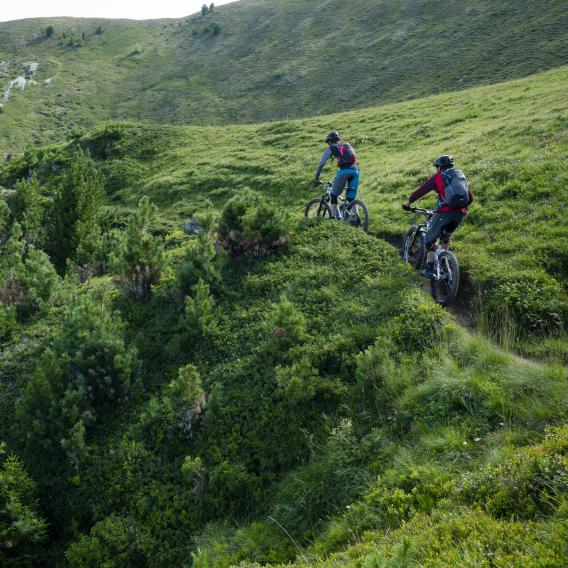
445, 289
358, 214
414, 247
317, 209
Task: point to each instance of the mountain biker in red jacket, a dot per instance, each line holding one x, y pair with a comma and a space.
348, 173
446, 219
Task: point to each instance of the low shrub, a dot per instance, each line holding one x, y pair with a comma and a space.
252, 225
21, 528
27, 277
454, 538
529, 485
262, 542
536, 301
200, 262
139, 255
115, 541
419, 325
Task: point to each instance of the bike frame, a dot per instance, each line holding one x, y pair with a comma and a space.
327, 198
423, 227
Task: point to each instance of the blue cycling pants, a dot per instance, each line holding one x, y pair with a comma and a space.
349, 177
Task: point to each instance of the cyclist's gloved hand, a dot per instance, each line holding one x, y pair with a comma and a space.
406, 206
315, 182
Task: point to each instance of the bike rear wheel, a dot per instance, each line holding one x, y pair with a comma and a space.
445, 289
414, 247
358, 214
317, 209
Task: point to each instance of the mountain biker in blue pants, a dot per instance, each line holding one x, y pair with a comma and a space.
348, 173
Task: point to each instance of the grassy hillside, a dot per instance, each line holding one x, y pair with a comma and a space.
311, 405
510, 139
260, 60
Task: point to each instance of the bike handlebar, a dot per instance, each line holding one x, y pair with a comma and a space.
418, 210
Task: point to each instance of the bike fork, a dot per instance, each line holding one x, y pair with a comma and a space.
436, 267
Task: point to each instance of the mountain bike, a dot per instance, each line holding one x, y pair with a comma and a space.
355, 213
446, 278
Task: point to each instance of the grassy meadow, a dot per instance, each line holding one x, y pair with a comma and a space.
259, 60
510, 139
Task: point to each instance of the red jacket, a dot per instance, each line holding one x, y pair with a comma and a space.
436, 183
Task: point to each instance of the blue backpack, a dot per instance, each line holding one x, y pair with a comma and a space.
456, 189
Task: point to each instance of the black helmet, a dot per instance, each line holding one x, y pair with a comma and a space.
333, 137
444, 162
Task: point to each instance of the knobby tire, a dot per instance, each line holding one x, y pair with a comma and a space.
444, 291
317, 209
414, 247
358, 214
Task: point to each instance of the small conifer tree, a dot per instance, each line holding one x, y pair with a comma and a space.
201, 262
74, 216
27, 277
4, 221
187, 398
87, 371
199, 318
21, 528
27, 207
139, 256
287, 323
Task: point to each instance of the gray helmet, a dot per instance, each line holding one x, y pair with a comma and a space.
444, 161
333, 137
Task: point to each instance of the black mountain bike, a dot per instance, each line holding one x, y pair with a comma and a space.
354, 213
446, 278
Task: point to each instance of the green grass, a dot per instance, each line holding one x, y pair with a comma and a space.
274, 59
510, 139
375, 431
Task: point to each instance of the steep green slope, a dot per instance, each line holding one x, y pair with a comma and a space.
267, 60
510, 139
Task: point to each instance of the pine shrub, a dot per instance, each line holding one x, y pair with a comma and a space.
139, 256
22, 530
252, 225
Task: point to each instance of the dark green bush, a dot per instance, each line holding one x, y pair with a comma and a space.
86, 372
252, 224
536, 301
27, 277
106, 141
114, 542
22, 530
138, 256
73, 219
200, 262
